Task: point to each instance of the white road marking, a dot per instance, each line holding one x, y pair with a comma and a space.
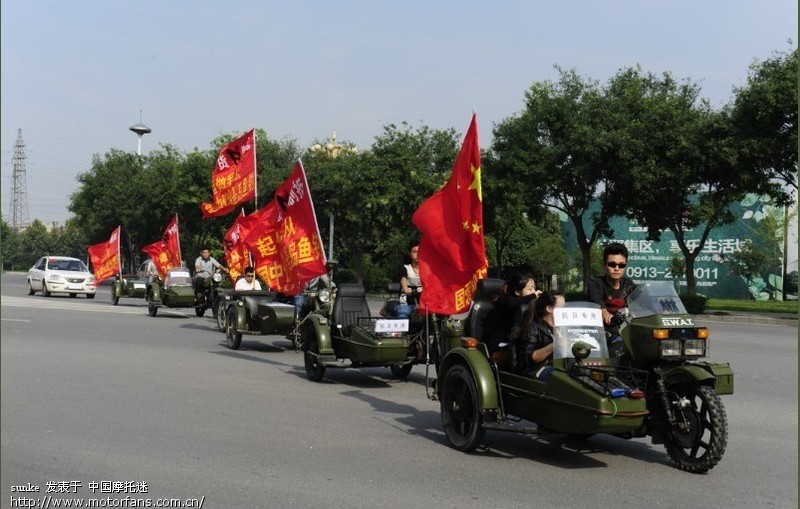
14, 320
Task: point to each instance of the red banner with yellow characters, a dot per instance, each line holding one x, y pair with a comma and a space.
234, 179
166, 253
236, 254
452, 256
285, 241
105, 257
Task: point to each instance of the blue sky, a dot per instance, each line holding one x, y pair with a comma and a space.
75, 74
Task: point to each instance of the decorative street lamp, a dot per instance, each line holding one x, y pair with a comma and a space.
140, 129
332, 150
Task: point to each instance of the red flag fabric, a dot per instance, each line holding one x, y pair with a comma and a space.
236, 254
452, 254
105, 257
166, 253
233, 181
285, 242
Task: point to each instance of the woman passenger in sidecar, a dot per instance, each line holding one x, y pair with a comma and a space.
535, 339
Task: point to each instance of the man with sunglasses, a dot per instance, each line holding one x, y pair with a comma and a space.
248, 281
611, 290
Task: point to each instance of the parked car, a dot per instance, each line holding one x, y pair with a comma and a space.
61, 274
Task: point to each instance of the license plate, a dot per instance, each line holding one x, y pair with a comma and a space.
396, 325
74, 286
138, 286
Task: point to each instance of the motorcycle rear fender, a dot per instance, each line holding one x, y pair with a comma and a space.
241, 315
482, 372
322, 330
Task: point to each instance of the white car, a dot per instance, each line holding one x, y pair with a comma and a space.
61, 274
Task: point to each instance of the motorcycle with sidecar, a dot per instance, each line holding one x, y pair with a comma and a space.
345, 334
177, 290
252, 312
658, 388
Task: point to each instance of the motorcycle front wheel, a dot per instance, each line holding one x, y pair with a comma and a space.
698, 439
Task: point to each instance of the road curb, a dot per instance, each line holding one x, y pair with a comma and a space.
787, 320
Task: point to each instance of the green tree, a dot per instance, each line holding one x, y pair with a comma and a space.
765, 116
558, 154
680, 171
34, 243
749, 262
9, 240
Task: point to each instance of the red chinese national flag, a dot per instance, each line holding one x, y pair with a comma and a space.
105, 257
285, 242
234, 178
166, 253
452, 256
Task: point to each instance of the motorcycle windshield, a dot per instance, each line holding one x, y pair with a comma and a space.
655, 298
578, 321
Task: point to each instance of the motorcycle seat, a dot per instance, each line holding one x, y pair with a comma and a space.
350, 305
487, 291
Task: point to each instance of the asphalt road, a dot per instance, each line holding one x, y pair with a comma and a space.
95, 393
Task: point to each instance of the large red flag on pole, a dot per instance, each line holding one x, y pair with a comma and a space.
105, 257
285, 242
452, 255
166, 253
234, 177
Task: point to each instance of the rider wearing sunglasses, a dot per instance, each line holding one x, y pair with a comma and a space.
611, 290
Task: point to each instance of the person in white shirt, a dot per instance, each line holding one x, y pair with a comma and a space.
249, 281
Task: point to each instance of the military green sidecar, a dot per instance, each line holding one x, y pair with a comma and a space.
255, 312
347, 335
175, 291
127, 287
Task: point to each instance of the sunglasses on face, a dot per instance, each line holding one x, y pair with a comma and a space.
614, 265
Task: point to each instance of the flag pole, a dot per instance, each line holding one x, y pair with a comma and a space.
119, 254
180, 255
255, 169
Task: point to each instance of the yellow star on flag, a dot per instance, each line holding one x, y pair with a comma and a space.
476, 181
476, 228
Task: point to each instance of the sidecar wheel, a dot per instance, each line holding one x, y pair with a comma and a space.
401, 370
314, 368
461, 415
221, 322
696, 444
233, 336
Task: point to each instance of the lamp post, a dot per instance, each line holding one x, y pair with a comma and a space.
333, 150
140, 129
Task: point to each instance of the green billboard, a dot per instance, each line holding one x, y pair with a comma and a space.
650, 260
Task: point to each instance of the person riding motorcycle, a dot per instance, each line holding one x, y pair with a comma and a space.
204, 267
611, 291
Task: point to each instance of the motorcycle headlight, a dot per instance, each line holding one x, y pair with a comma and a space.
217, 277
54, 277
324, 296
694, 348
670, 347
